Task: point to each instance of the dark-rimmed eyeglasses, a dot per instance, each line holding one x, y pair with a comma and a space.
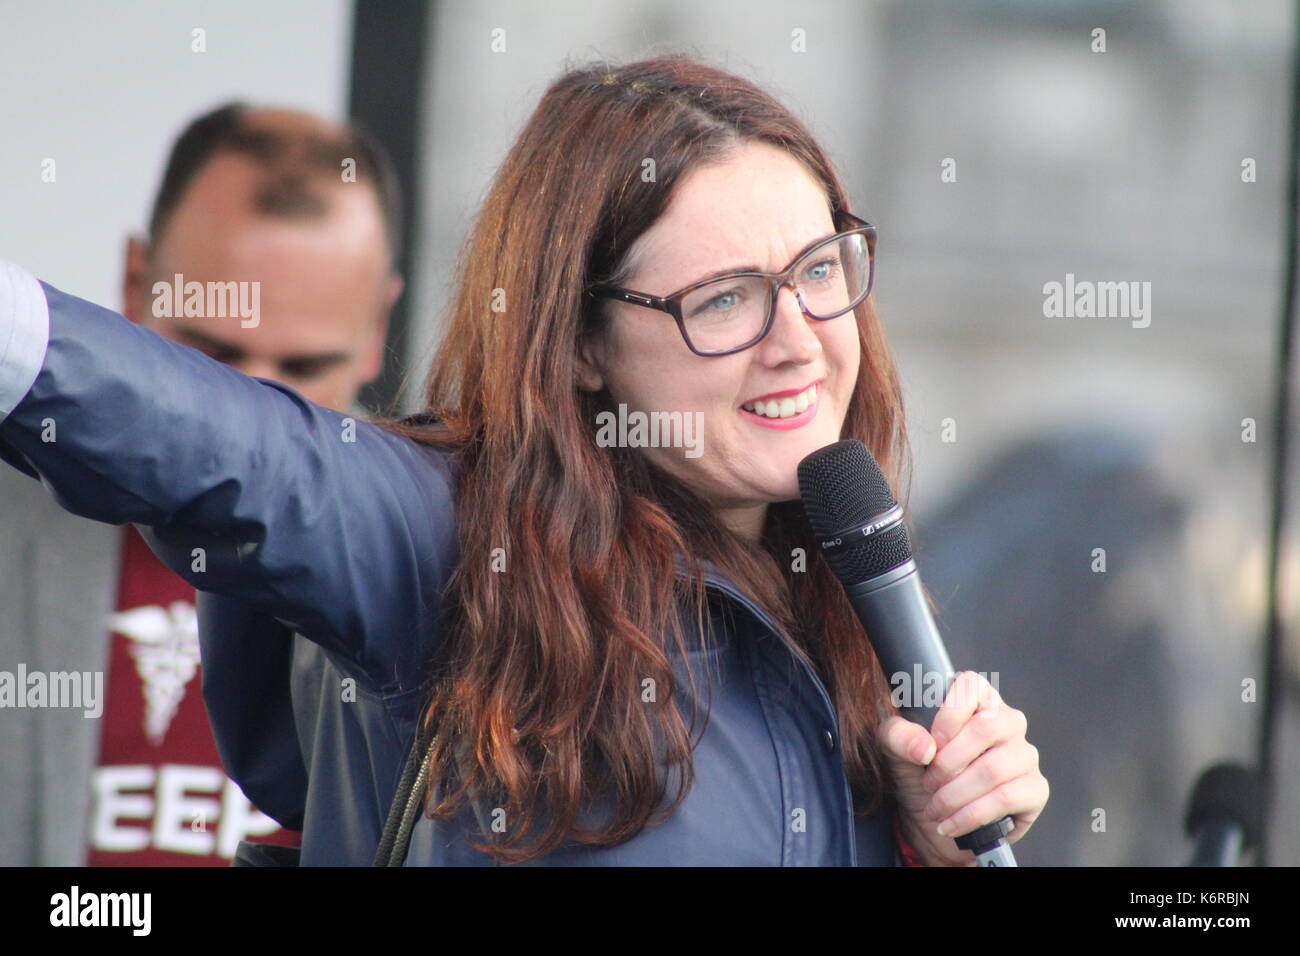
728, 313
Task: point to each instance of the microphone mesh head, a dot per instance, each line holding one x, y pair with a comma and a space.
843, 487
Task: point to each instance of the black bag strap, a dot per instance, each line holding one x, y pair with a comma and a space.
408, 801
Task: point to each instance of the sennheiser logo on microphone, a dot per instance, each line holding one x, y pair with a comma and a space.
890, 518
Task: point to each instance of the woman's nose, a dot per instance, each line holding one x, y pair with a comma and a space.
791, 325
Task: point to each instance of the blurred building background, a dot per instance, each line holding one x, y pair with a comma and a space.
1037, 440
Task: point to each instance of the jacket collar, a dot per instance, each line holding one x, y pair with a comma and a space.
713, 577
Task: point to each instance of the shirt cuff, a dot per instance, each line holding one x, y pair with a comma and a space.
24, 334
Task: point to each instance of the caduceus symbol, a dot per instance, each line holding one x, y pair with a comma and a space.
165, 646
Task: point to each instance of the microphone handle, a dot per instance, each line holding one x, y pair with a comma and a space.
893, 609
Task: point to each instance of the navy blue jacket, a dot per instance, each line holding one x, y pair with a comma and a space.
327, 543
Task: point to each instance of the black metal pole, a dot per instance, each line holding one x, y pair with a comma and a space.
1282, 486
389, 40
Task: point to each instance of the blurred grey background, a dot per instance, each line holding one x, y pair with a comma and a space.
1037, 440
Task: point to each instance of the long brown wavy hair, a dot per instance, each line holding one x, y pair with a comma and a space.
539, 694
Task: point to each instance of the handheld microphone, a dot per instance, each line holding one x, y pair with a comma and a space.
860, 529
1224, 815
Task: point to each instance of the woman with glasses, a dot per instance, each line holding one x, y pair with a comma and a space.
613, 655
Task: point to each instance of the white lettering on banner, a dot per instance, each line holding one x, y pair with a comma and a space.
113, 803
175, 796
239, 821
175, 809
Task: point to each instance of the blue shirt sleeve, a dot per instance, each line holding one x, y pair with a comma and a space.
341, 529
24, 330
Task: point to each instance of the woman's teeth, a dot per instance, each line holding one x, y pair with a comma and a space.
785, 407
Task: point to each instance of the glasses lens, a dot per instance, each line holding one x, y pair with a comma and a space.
725, 314
729, 313
834, 277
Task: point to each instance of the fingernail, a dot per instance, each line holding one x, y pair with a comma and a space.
924, 757
945, 828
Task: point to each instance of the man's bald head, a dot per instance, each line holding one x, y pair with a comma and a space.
298, 155
268, 196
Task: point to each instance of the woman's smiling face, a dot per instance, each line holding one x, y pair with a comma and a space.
759, 208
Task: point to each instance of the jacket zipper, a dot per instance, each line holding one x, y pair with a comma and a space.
721, 584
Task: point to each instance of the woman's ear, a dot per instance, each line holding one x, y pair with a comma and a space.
587, 364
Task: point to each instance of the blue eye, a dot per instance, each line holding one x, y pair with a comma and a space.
718, 305
829, 267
